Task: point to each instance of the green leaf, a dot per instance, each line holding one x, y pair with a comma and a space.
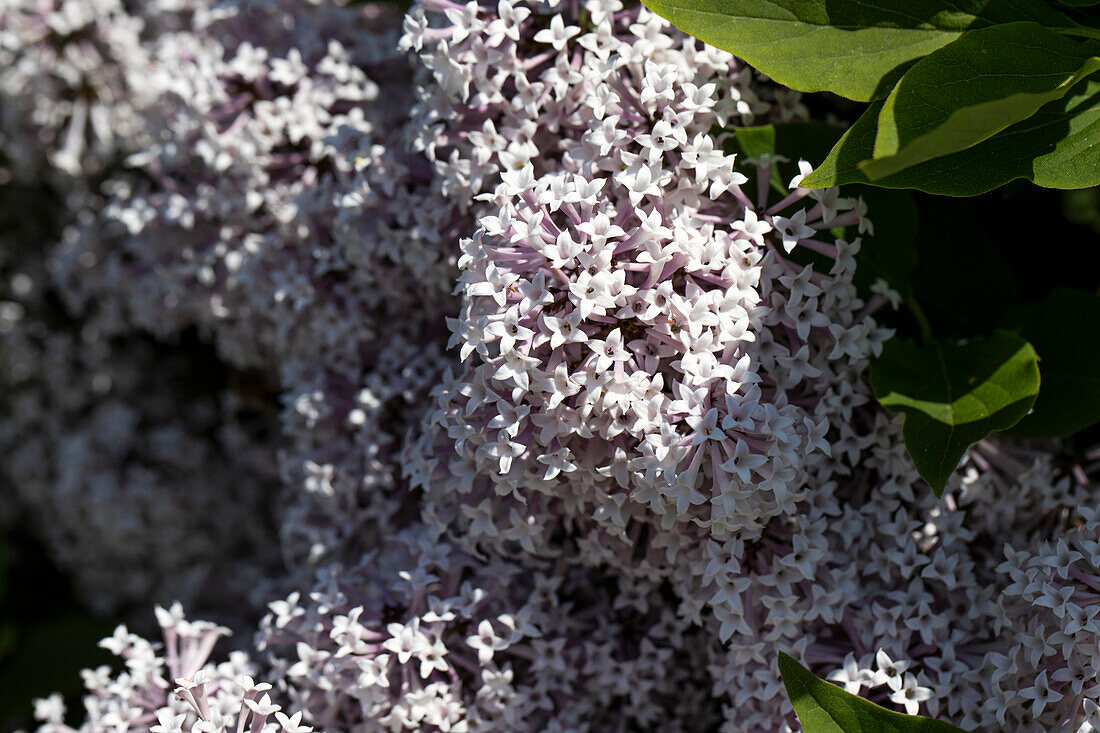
855, 48
1057, 147
973, 88
954, 393
822, 707
1063, 328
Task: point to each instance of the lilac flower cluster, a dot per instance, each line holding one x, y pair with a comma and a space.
106, 438
268, 203
271, 207
417, 635
173, 689
280, 213
648, 462
72, 84
646, 358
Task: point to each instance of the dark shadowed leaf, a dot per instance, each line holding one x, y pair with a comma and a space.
962, 279
1064, 328
954, 393
822, 707
889, 252
855, 48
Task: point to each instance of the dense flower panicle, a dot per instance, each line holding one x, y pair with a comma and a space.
281, 214
510, 83
418, 635
72, 84
173, 687
646, 358
649, 379
236, 205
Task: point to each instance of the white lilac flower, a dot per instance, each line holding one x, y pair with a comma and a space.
205, 696
705, 378
276, 211
73, 85
422, 634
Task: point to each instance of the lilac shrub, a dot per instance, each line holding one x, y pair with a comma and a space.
626, 304
562, 406
646, 361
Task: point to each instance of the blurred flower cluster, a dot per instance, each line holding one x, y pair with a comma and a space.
457, 357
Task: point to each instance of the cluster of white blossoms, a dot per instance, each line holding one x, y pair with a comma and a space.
559, 405
645, 356
287, 222
72, 84
173, 687
419, 636
269, 206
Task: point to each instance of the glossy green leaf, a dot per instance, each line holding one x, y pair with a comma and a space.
822, 707
973, 88
954, 393
855, 48
1057, 147
1065, 330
